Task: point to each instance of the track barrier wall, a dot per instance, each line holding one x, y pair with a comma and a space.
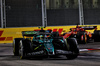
8, 34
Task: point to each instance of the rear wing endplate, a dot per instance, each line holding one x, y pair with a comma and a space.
89, 27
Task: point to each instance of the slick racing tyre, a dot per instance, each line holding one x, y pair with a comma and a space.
96, 36
22, 50
72, 42
16, 42
82, 37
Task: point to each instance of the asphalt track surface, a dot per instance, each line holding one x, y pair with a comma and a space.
86, 58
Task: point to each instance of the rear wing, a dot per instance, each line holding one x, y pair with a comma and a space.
89, 27
29, 33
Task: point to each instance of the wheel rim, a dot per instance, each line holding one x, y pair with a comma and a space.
21, 49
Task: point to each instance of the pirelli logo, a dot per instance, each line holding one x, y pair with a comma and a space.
5, 38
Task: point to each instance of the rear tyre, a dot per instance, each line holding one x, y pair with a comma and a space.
16, 42
72, 42
96, 36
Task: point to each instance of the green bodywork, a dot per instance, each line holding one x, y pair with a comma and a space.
44, 41
31, 32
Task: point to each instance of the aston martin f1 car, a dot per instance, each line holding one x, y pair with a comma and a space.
44, 43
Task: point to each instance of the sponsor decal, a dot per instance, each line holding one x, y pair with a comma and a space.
63, 52
30, 32
38, 47
36, 53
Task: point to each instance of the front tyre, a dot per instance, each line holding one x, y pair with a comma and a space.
22, 50
16, 42
84, 39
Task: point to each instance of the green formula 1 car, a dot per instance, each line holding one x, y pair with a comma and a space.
44, 43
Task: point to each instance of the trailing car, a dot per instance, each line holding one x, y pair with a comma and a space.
44, 43
81, 33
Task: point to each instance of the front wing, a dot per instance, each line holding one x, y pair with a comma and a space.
42, 52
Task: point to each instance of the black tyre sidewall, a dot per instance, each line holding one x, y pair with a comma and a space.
96, 36
79, 35
16, 46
